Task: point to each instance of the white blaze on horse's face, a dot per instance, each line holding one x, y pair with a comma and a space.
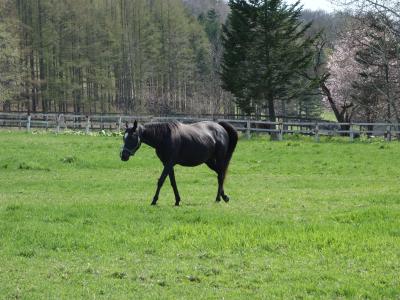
131, 144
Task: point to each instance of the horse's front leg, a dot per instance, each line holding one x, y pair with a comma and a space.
165, 172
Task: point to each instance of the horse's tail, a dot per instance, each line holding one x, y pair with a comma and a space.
233, 138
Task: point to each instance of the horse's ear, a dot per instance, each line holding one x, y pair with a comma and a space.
134, 125
126, 125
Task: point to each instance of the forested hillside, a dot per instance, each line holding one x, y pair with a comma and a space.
92, 56
127, 56
198, 7
264, 58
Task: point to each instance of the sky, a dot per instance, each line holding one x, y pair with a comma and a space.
316, 4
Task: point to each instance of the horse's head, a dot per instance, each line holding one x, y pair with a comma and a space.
131, 142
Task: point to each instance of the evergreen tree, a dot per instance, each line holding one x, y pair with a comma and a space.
266, 51
237, 43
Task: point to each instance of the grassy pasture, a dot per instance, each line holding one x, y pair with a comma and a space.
305, 220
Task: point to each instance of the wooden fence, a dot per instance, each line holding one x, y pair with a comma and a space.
60, 122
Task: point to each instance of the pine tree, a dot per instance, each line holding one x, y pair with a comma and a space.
266, 51
237, 42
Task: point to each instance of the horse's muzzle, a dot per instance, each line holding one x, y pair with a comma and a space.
124, 155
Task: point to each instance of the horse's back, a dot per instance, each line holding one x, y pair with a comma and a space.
199, 142
205, 132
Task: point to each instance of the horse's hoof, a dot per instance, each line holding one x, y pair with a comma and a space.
226, 198
153, 203
218, 200
176, 203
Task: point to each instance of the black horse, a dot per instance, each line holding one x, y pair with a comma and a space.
187, 145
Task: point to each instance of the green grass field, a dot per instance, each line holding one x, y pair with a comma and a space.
305, 220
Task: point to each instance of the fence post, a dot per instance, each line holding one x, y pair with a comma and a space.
316, 132
28, 124
119, 124
389, 133
87, 124
58, 123
248, 130
351, 134
280, 134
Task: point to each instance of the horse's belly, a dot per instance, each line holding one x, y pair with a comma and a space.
190, 163
195, 156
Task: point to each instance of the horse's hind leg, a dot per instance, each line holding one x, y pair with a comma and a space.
221, 193
221, 177
224, 196
174, 187
222, 166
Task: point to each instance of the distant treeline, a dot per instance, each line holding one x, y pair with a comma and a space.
165, 57
155, 56
96, 56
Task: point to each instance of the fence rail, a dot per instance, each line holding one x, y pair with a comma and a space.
60, 122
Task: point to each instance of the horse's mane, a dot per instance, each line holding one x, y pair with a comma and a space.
161, 128
158, 132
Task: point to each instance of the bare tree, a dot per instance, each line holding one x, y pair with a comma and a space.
375, 31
